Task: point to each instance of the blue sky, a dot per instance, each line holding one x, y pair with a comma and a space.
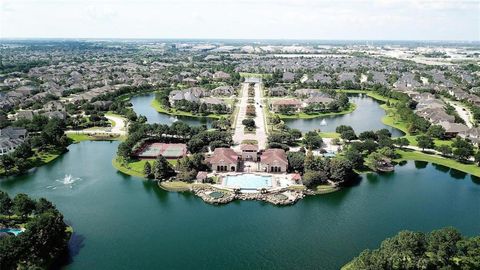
255, 19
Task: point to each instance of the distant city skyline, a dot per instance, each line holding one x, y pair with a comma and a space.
447, 20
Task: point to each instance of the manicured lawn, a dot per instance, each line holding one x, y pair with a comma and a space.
329, 135
76, 138
159, 108
175, 186
324, 189
39, 159
303, 115
391, 119
415, 155
135, 168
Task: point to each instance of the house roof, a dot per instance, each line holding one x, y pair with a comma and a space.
249, 147
293, 102
223, 155
274, 155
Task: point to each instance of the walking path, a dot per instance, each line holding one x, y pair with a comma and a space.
118, 129
260, 135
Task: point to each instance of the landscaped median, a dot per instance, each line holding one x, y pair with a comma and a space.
471, 168
159, 108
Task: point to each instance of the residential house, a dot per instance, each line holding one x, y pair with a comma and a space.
225, 90
292, 104
288, 77
453, 129
278, 91
472, 134
11, 138
220, 75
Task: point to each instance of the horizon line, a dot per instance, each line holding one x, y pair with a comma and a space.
233, 39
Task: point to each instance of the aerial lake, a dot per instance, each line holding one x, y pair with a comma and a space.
141, 105
122, 222
367, 116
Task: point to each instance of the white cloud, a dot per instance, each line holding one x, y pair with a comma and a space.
321, 19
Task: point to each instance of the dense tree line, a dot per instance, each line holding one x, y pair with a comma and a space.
45, 237
138, 131
46, 135
440, 249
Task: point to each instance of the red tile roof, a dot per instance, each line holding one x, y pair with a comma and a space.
223, 155
271, 156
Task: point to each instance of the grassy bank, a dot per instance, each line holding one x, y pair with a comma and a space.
159, 108
135, 167
303, 115
325, 189
174, 186
472, 169
76, 138
40, 158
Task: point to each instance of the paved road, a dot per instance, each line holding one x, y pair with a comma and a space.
462, 111
260, 134
118, 129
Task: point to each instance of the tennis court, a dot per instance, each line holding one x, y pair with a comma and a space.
168, 150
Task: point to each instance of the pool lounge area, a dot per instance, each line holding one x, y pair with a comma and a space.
14, 231
247, 182
255, 182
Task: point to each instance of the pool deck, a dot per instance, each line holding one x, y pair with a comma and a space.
279, 181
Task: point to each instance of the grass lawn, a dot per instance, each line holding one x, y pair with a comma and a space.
39, 159
159, 108
175, 186
390, 119
76, 138
415, 155
325, 188
329, 135
303, 115
135, 168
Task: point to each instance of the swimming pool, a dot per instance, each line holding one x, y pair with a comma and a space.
12, 230
248, 181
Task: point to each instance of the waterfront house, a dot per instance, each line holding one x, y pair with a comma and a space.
223, 160
11, 138
273, 160
472, 134
453, 129
291, 104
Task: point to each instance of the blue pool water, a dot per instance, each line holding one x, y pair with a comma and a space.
248, 181
12, 230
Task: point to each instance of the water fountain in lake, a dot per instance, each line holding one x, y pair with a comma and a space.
173, 119
67, 181
323, 123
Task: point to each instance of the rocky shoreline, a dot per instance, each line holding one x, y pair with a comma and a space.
279, 197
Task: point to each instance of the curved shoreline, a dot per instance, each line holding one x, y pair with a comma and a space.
352, 107
159, 108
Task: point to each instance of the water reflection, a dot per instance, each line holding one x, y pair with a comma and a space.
367, 116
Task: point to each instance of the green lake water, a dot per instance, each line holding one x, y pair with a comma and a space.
122, 222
